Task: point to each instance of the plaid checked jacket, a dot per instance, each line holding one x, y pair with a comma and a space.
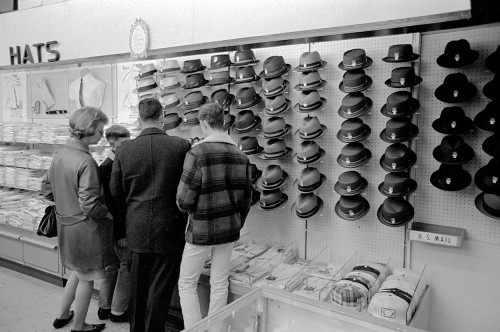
215, 189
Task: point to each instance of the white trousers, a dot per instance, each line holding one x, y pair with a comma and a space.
193, 259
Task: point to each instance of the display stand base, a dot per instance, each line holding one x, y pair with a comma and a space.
32, 272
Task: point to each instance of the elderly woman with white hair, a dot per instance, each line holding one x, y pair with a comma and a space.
84, 225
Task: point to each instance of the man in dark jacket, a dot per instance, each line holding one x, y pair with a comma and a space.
146, 172
215, 190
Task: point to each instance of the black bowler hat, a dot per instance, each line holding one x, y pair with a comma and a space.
453, 150
493, 61
398, 157
395, 212
399, 130
491, 145
403, 77
352, 207
451, 177
489, 118
354, 155
355, 81
453, 121
350, 183
353, 130
309, 180
249, 145
491, 88
307, 205
487, 178
400, 103
400, 53
355, 105
455, 89
397, 184
488, 204
457, 53
355, 59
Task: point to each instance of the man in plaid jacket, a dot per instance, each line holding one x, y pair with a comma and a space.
215, 190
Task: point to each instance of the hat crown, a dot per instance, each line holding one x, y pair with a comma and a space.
396, 151
452, 143
246, 95
274, 145
245, 73
193, 97
358, 55
453, 171
270, 197
351, 205
171, 118
352, 127
306, 203
169, 98
195, 80
220, 60
350, 180
168, 64
455, 81
311, 78
244, 56
191, 116
307, 98
403, 51
272, 174
354, 78
310, 125
273, 125
452, 113
396, 182
169, 81
307, 149
191, 65
310, 60
275, 102
220, 95
395, 208
245, 119
274, 64
353, 151
454, 47
399, 101
248, 143
148, 67
492, 201
219, 75
272, 84
398, 127
309, 176
405, 73
146, 82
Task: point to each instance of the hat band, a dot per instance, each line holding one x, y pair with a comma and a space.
246, 79
490, 210
278, 89
194, 84
356, 63
311, 135
353, 137
193, 104
275, 154
399, 293
147, 87
148, 73
279, 70
309, 187
348, 111
167, 70
366, 268
170, 87
248, 127
172, 105
349, 189
308, 107
357, 86
274, 184
277, 109
224, 63
349, 216
273, 204
312, 84
251, 149
193, 68
311, 65
275, 133
306, 160
358, 281
309, 213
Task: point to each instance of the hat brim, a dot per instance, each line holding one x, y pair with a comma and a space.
479, 201
322, 181
277, 74
201, 83
412, 133
185, 107
281, 185
156, 89
148, 74
490, 90
287, 154
227, 102
393, 60
170, 107
251, 80
367, 64
464, 126
228, 81
359, 163
386, 222
364, 87
360, 138
170, 88
315, 211
491, 145
412, 159
321, 133
359, 190
485, 183
229, 124
414, 106
202, 68
359, 113
188, 125
284, 90
284, 199
279, 112
417, 80
167, 72
297, 108
218, 67
308, 69
442, 157
288, 129
366, 209
172, 125
438, 180
257, 122
492, 62
322, 154
244, 63
298, 87
412, 187
482, 121
253, 103
445, 94
465, 60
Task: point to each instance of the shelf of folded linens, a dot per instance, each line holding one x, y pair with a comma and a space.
21, 209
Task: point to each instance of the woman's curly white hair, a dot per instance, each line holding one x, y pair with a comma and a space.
84, 121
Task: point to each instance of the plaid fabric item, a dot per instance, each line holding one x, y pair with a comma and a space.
349, 294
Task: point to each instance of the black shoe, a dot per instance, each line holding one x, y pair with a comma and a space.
58, 322
119, 318
103, 313
95, 328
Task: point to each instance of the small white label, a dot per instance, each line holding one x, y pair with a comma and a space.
394, 165
394, 110
492, 121
396, 56
454, 154
435, 238
348, 189
457, 57
494, 179
453, 124
455, 93
402, 81
448, 180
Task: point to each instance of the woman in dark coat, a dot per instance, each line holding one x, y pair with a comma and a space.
84, 225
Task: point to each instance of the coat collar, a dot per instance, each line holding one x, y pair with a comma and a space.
77, 145
110, 154
152, 131
218, 138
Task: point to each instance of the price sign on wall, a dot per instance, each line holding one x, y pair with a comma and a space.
139, 39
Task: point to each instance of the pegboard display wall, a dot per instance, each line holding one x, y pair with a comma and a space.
454, 208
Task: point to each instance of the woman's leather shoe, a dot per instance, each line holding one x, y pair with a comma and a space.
95, 328
58, 322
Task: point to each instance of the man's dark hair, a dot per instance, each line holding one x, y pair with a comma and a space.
150, 109
213, 114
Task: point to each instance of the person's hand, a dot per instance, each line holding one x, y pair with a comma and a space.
122, 242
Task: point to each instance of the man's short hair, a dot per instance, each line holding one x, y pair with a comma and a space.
213, 114
150, 109
117, 131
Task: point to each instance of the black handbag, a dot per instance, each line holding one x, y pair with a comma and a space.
48, 224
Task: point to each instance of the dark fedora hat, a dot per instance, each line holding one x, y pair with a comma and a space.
169, 101
171, 121
487, 178
309, 61
244, 58
274, 86
310, 80
398, 157
272, 177
274, 66
355, 59
397, 184
167, 66
228, 121
353, 130
222, 97
451, 177
146, 70
256, 173
453, 121
219, 78
192, 66
146, 85
491, 88
489, 118
309, 180
395, 212
352, 207
255, 197
400, 53
249, 145
272, 199
245, 75
275, 127
311, 128
491, 145
488, 204
193, 100
354, 155
310, 101
308, 153
277, 105
190, 118
169, 83
194, 81
399, 130
219, 61
457, 53
354, 81
455, 89
453, 150
400, 103
403, 77
355, 105
307, 205
493, 61
350, 183
246, 121
275, 148
246, 97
